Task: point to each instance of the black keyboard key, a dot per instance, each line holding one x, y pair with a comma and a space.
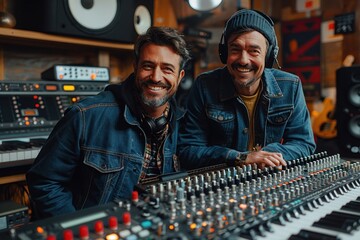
311, 235
353, 206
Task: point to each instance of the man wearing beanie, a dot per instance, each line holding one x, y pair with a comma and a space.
246, 112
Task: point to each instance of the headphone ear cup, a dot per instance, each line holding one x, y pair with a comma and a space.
154, 126
269, 59
160, 124
149, 125
223, 52
271, 55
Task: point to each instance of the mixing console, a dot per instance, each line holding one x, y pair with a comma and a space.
316, 197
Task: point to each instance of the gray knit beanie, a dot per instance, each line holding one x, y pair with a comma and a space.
246, 18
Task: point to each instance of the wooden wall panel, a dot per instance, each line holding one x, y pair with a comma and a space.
26, 63
331, 59
164, 14
121, 65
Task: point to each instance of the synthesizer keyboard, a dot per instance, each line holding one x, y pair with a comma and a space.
312, 198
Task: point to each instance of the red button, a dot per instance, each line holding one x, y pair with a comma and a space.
126, 217
68, 234
113, 223
51, 237
99, 227
84, 232
135, 196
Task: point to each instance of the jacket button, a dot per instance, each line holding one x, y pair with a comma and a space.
278, 119
220, 118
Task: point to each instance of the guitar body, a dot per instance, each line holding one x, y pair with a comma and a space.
324, 124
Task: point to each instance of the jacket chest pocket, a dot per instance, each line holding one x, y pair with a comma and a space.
277, 120
105, 171
103, 162
222, 122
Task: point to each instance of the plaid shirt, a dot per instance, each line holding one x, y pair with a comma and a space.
153, 156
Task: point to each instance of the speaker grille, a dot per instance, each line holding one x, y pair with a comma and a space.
348, 111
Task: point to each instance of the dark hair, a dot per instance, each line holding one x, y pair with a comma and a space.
164, 36
246, 30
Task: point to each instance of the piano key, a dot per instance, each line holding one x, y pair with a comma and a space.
309, 235
37, 142
20, 155
22, 151
34, 153
13, 156
5, 157
346, 215
304, 222
352, 206
334, 223
27, 154
16, 144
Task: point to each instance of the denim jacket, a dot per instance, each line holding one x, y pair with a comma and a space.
216, 123
95, 153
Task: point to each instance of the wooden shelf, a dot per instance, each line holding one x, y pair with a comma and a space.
24, 37
12, 179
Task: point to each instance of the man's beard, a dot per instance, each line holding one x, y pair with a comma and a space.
241, 84
150, 101
246, 84
154, 102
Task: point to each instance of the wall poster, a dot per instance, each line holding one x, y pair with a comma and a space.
301, 50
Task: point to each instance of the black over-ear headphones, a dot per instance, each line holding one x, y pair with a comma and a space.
246, 18
154, 126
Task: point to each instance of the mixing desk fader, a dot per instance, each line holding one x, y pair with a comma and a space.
316, 197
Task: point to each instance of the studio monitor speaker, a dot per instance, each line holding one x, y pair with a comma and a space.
348, 111
114, 20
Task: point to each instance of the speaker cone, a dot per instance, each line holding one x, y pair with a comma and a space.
354, 126
142, 19
93, 14
354, 95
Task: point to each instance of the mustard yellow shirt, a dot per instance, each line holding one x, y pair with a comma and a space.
250, 103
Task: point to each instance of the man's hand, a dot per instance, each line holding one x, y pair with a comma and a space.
264, 159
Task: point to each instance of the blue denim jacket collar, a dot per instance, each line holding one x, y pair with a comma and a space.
272, 88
